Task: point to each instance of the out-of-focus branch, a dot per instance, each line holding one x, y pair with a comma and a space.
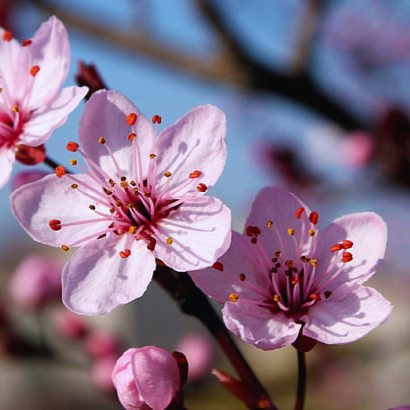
234, 67
306, 34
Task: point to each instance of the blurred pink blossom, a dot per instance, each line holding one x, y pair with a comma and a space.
199, 352
142, 198
283, 283
31, 103
146, 378
357, 149
36, 281
69, 324
101, 343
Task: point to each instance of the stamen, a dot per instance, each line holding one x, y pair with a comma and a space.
152, 156
336, 247
218, 266
60, 171
54, 224
72, 146
73, 162
125, 253
315, 297
169, 241
156, 119
15, 108
167, 174
269, 224
252, 230
92, 207
313, 262
195, 174
311, 232
132, 136
74, 186
65, 248
34, 70
101, 140
299, 212
347, 244
291, 231
276, 298
7, 35
26, 42
202, 187
242, 277
347, 257
131, 118
233, 297
314, 217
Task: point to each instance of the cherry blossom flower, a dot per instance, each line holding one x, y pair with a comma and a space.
146, 378
282, 282
141, 200
32, 103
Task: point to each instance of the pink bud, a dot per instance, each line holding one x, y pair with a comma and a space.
35, 282
199, 352
147, 376
69, 324
357, 149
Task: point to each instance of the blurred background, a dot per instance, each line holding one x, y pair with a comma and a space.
317, 100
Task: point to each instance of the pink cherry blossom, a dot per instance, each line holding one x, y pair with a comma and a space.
281, 279
32, 103
146, 378
36, 280
141, 199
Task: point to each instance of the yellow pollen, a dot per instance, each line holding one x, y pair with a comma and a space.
15, 108
65, 248
152, 156
291, 231
130, 205
101, 140
92, 207
276, 298
311, 232
118, 203
112, 210
1, 90
132, 230
313, 262
167, 174
148, 194
169, 241
278, 253
73, 162
74, 186
124, 184
233, 297
269, 224
133, 183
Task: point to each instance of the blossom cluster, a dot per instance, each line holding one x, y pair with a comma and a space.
139, 200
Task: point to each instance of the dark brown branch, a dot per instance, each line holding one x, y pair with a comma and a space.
236, 67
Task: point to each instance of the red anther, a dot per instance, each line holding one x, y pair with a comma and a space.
34, 70
347, 244
346, 257
26, 42
295, 280
7, 35
218, 266
156, 119
72, 146
299, 212
252, 230
201, 187
314, 217
315, 297
131, 136
195, 174
125, 253
336, 247
54, 224
60, 171
131, 118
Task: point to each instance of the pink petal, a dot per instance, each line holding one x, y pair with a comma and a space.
348, 315
35, 204
96, 279
200, 231
196, 142
105, 116
50, 50
259, 326
156, 375
368, 232
7, 159
46, 119
278, 206
241, 257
